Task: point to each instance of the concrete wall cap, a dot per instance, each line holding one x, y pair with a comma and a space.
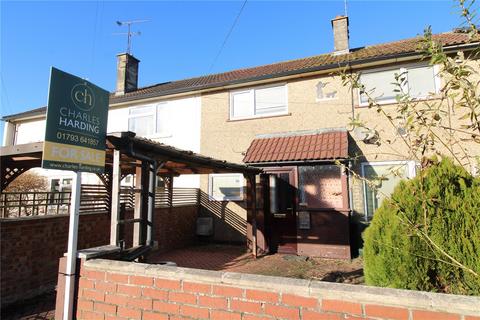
318, 289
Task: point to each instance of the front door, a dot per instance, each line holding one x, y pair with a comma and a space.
283, 186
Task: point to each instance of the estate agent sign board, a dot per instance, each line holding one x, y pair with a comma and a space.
76, 124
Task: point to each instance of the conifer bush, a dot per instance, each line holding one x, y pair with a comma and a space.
440, 207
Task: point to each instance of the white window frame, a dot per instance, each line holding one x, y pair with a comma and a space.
411, 173
210, 187
252, 92
402, 69
153, 113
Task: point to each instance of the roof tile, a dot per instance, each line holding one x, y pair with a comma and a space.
319, 146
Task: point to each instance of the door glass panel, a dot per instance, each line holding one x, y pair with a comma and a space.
320, 186
284, 193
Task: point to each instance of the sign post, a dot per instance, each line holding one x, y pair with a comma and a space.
75, 136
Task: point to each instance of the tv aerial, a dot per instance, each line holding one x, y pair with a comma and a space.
129, 33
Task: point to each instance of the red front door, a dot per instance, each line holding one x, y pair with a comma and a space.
283, 208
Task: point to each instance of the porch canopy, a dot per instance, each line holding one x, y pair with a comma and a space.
298, 147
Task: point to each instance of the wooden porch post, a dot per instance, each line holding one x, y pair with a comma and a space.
115, 196
253, 185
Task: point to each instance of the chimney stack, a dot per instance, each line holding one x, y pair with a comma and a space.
340, 35
127, 73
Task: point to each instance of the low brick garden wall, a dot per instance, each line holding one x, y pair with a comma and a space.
121, 290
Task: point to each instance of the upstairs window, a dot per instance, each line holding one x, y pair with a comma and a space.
421, 82
150, 121
258, 102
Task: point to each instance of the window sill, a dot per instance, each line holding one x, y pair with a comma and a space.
224, 200
394, 102
263, 117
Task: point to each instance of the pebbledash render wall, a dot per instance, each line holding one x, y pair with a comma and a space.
306, 112
122, 290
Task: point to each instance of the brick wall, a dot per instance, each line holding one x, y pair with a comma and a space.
120, 290
31, 247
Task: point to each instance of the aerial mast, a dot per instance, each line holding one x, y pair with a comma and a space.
129, 33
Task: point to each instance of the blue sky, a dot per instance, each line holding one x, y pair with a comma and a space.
181, 39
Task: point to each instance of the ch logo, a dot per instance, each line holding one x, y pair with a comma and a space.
83, 97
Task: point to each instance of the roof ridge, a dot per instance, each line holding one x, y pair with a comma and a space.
291, 60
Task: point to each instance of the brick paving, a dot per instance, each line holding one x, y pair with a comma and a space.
209, 257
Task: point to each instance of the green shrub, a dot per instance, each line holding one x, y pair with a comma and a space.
396, 255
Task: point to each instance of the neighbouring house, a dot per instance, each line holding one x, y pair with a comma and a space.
289, 118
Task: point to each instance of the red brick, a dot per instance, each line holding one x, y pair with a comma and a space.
282, 312
341, 306
312, 315
118, 278
105, 286
167, 284
166, 307
129, 313
85, 305
92, 315
297, 301
196, 287
116, 299
105, 308
427, 315
108, 317
386, 312
84, 283
154, 316
131, 291
182, 297
154, 293
262, 295
94, 275
246, 306
227, 291
219, 303
93, 295
195, 312
252, 317
223, 315
142, 281
139, 303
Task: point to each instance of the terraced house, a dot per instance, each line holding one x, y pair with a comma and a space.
289, 118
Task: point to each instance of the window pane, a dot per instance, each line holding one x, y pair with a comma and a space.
142, 121
163, 120
142, 125
381, 83
421, 82
385, 178
227, 187
320, 186
242, 104
270, 100
141, 110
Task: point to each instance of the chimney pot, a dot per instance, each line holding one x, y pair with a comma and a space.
127, 73
340, 35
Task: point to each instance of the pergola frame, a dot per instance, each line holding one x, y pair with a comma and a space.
128, 154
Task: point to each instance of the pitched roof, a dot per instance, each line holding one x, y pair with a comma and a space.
315, 63
305, 146
320, 62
